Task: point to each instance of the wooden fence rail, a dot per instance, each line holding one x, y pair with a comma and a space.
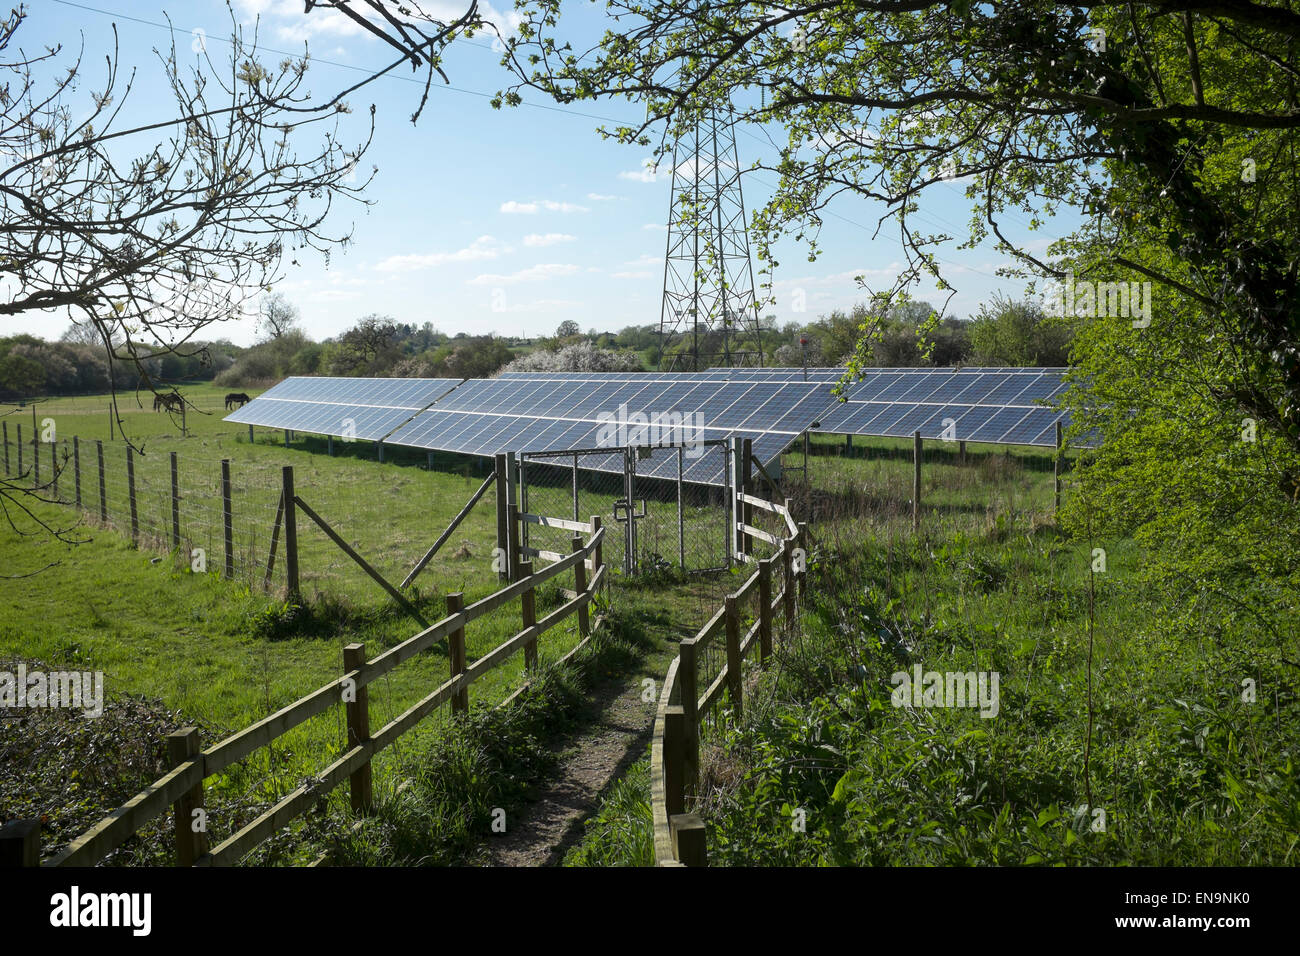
181, 788
675, 746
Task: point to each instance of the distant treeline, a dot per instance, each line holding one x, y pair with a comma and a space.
1005, 332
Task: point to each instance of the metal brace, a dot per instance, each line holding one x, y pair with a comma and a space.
621, 505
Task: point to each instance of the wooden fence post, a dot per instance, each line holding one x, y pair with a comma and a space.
354, 659
738, 538
961, 452
674, 759
227, 519
916, 481
528, 606
76, 467
764, 610
688, 675
182, 747
746, 486
290, 532
103, 489
513, 553
19, 426
787, 569
503, 498
456, 653
176, 504
734, 682
5, 427
579, 586
802, 575
689, 839
599, 554
130, 494
54, 468
1058, 466
20, 843
36, 452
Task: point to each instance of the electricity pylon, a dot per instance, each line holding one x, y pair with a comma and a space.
709, 295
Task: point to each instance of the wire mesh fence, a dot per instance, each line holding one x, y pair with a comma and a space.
664, 523
226, 515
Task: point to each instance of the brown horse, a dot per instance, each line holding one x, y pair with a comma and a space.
171, 402
237, 399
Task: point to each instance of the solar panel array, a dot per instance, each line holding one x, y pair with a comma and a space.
364, 408
594, 411
781, 374
581, 411
976, 403
1009, 406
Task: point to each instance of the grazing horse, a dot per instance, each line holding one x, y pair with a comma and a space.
171, 402
237, 399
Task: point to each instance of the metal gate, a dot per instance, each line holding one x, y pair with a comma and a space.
656, 523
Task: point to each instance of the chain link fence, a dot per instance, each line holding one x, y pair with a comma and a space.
663, 521
225, 515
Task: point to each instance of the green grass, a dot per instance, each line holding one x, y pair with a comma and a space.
223, 654
825, 770
1185, 771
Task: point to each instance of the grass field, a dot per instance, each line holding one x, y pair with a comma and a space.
1142, 724
192, 648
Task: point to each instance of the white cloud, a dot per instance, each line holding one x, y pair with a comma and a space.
484, 247
549, 239
646, 174
550, 205
522, 208
597, 197
286, 20
630, 275
537, 273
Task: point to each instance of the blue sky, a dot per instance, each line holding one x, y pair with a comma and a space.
505, 222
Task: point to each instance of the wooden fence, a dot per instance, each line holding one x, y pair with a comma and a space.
674, 750
182, 788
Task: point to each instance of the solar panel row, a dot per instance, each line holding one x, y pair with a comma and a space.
566, 411
487, 416
364, 408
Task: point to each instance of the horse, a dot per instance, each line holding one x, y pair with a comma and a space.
237, 399
171, 402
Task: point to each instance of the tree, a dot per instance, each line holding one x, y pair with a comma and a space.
567, 329
368, 347
477, 357
276, 316
149, 233
1149, 116
1008, 332
579, 357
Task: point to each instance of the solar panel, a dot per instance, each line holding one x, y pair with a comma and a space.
537, 412
569, 411
1009, 406
364, 408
